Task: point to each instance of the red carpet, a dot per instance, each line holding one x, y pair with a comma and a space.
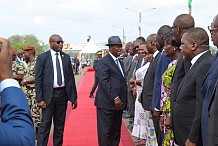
81, 125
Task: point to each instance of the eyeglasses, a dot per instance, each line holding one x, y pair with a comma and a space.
211, 29
58, 42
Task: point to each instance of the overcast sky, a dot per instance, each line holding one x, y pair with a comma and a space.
74, 20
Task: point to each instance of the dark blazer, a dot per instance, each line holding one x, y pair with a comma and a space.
139, 63
208, 90
16, 126
44, 77
148, 84
162, 66
182, 68
188, 103
212, 129
111, 84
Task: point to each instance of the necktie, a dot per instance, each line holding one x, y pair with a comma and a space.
117, 62
152, 59
59, 76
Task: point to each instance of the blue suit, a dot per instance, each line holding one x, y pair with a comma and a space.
16, 126
162, 66
208, 89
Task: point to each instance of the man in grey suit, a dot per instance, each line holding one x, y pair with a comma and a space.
127, 60
130, 97
210, 91
111, 95
55, 85
189, 99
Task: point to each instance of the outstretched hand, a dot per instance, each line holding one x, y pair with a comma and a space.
5, 60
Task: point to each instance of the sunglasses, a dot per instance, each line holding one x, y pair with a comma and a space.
211, 29
58, 42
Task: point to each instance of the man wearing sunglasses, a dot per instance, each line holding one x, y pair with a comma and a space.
210, 93
55, 85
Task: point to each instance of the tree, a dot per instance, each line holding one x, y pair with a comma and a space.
19, 42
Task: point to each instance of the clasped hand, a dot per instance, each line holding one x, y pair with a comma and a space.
118, 103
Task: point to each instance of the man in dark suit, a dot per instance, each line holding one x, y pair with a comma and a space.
55, 85
16, 126
99, 53
181, 24
148, 84
189, 99
162, 66
210, 92
111, 95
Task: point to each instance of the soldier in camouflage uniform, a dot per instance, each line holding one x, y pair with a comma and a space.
29, 82
17, 68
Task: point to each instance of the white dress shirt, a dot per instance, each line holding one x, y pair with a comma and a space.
53, 56
8, 83
196, 58
114, 58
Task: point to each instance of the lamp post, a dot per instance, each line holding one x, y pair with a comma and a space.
123, 34
140, 17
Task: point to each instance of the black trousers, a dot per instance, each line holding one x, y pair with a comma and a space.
159, 133
56, 110
131, 103
109, 126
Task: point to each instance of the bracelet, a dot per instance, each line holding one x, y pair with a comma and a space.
162, 115
135, 81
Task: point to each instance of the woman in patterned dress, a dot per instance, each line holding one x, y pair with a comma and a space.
171, 49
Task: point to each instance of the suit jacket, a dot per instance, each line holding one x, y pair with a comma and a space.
111, 84
182, 68
127, 63
212, 129
16, 126
130, 74
139, 63
188, 105
148, 84
208, 91
44, 77
162, 66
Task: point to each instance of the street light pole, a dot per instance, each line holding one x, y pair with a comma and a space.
140, 20
140, 17
122, 34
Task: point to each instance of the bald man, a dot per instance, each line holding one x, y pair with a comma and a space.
210, 93
181, 24
189, 99
55, 86
162, 65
